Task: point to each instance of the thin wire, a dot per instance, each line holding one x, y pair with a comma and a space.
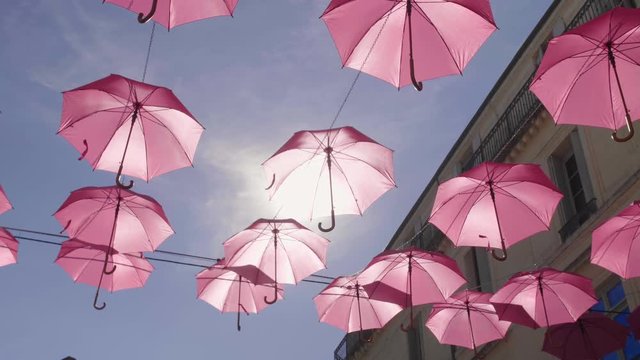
151, 258
146, 62
355, 79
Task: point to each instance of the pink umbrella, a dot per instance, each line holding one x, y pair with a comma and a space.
114, 217
495, 205
377, 36
425, 277
85, 263
547, 296
267, 242
585, 74
170, 14
592, 336
224, 289
346, 305
466, 319
8, 248
341, 165
129, 127
5, 205
615, 242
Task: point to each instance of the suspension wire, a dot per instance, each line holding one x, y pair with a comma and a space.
174, 253
146, 62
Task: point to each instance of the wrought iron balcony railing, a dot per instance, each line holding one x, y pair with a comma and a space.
520, 114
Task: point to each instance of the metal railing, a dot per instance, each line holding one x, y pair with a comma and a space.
579, 218
350, 344
520, 114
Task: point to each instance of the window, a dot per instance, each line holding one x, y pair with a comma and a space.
569, 171
613, 299
476, 269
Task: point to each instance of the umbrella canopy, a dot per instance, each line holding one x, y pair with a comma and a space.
129, 127
280, 249
585, 77
85, 263
495, 205
592, 336
170, 13
466, 319
547, 296
224, 289
425, 277
616, 242
114, 217
328, 172
405, 41
5, 205
8, 248
346, 305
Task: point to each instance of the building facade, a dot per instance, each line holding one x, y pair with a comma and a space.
598, 177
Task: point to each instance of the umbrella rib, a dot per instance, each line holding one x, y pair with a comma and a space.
361, 160
426, 17
346, 179
386, 14
509, 194
173, 136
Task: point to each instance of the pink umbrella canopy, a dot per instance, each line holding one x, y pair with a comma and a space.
224, 289
495, 205
585, 77
425, 277
129, 127
329, 172
170, 14
466, 319
346, 305
592, 336
547, 296
280, 249
85, 263
5, 205
616, 242
8, 248
405, 41
114, 217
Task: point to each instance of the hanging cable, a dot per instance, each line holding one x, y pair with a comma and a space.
146, 62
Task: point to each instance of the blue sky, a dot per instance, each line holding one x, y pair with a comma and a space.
252, 80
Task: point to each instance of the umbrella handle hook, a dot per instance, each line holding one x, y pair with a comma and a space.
119, 183
109, 272
333, 223
142, 18
86, 150
273, 181
95, 301
275, 298
615, 137
416, 84
502, 257
407, 327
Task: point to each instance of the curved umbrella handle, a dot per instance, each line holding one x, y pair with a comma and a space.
416, 84
119, 183
109, 272
86, 150
142, 18
273, 181
333, 223
275, 296
95, 301
65, 227
407, 327
615, 137
502, 257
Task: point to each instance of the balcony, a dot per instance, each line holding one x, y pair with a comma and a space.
350, 344
520, 114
